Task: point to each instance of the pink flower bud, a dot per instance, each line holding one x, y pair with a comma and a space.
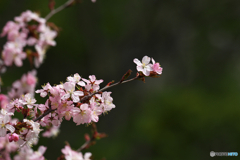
14, 137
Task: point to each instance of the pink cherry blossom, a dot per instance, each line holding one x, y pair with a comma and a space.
76, 79
10, 28
14, 137
25, 85
13, 53
156, 67
65, 109
46, 37
92, 83
4, 101
52, 132
27, 153
28, 100
71, 154
95, 113
82, 115
4, 123
70, 89
107, 104
43, 92
22, 35
32, 134
7, 147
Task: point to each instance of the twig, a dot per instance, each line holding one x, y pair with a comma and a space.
65, 5
86, 144
95, 135
44, 114
107, 87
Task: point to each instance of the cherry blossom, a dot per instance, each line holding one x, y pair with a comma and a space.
4, 123
32, 134
25, 85
70, 89
156, 67
82, 115
52, 132
71, 154
76, 79
143, 66
14, 137
92, 83
43, 92
28, 100
107, 104
27, 30
29, 154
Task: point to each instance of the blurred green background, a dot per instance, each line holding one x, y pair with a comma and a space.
191, 110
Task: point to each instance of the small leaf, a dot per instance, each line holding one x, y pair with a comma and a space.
87, 137
110, 83
51, 4
126, 75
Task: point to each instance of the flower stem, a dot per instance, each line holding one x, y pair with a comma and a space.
65, 5
107, 87
44, 114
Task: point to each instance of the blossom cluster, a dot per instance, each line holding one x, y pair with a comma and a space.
147, 68
68, 100
28, 36
25, 85
78, 98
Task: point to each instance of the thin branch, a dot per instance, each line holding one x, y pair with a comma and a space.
65, 5
107, 87
44, 114
86, 144
95, 135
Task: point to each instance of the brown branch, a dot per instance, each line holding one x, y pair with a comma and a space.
95, 135
86, 144
107, 87
65, 5
44, 114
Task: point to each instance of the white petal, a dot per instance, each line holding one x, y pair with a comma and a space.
42, 149
77, 77
87, 156
75, 98
139, 68
81, 83
153, 61
146, 59
43, 94
10, 128
78, 93
137, 62
146, 72
66, 96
